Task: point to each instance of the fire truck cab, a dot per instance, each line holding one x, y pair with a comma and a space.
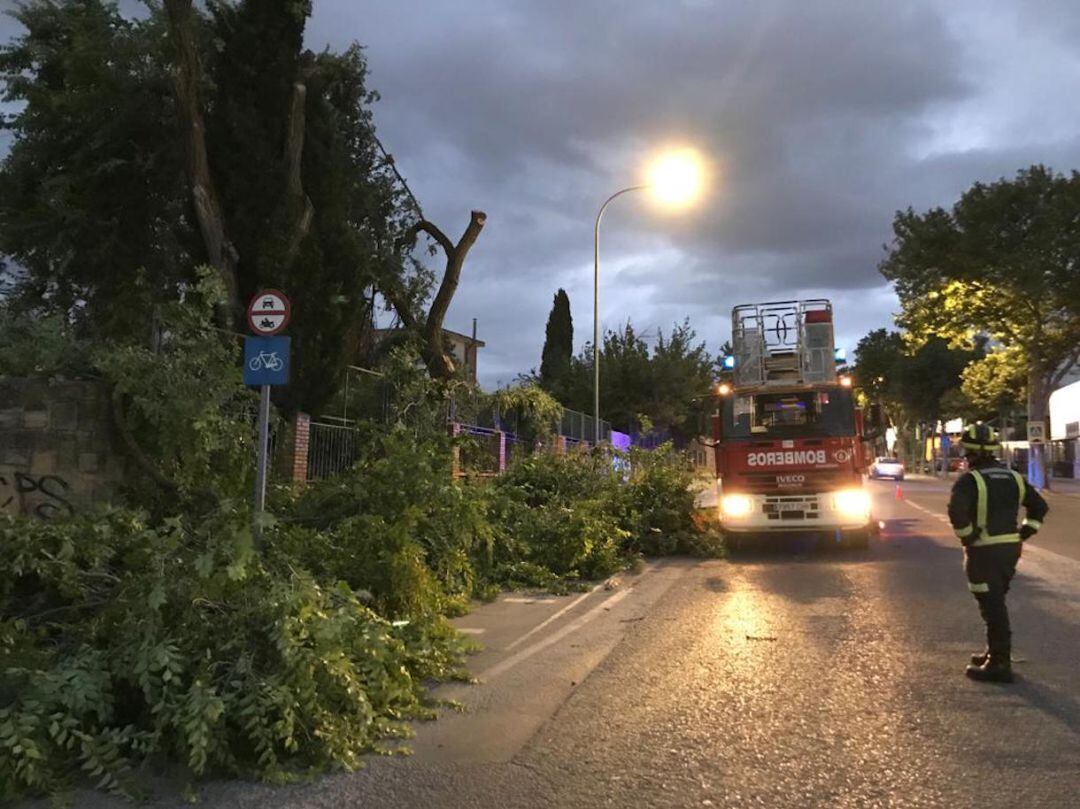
788, 436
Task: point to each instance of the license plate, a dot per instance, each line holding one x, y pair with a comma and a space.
790, 506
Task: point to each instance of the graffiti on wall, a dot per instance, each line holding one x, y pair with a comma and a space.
42, 496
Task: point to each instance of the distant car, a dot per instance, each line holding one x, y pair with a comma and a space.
954, 464
887, 468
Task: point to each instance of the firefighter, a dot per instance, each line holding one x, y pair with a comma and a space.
983, 511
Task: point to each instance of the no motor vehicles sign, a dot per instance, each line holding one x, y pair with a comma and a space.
268, 313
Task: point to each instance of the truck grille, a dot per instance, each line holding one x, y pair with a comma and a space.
791, 507
764, 482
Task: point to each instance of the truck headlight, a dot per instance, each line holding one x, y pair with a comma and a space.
736, 505
852, 503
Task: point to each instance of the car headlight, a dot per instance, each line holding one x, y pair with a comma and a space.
736, 505
852, 503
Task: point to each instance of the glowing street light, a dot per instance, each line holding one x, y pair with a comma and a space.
675, 179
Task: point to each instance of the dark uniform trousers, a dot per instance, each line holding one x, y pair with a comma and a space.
983, 509
989, 570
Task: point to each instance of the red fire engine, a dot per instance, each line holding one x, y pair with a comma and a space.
789, 444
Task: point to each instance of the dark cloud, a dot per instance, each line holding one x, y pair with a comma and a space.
820, 120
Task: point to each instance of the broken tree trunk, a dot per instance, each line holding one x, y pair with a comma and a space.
208, 211
440, 364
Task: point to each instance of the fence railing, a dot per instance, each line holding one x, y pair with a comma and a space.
332, 449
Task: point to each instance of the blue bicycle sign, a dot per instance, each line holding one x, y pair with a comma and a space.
266, 360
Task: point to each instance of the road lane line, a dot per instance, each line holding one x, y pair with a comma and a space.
471, 630
1029, 548
564, 610
540, 645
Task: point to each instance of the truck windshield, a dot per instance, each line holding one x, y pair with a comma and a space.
790, 415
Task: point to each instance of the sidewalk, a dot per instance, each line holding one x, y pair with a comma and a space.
1066, 486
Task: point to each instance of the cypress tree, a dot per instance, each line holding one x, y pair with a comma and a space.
558, 344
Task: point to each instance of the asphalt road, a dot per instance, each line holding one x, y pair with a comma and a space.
797, 676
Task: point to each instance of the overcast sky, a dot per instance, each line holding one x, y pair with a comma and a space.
820, 119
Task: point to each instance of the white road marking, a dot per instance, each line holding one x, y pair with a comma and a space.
1034, 550
927, 511
471, 630
540, 645
563, 611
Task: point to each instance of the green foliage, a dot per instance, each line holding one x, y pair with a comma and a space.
124, 640
121, 642
185, 402
398, 527
670, 385
911, 380
358, 209
95, 203
92, 200
661, 496
39, 346
997, 383
1004, 262
558, 345
534, 412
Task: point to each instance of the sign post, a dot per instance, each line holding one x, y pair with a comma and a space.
266, 363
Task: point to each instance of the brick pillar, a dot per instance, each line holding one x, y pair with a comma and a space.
455, 431
502, 452
560, 445
301, 439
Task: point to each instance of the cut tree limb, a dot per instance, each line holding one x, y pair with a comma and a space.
439, 363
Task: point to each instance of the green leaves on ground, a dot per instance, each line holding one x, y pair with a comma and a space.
121, 641
125, 639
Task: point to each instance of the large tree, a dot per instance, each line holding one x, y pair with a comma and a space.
914, 383
145, 147
558, 344
92, 201
1003, 262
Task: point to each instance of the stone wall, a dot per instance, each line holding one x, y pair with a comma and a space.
57, 453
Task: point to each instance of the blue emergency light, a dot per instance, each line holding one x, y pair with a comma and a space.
840, 355
729, 362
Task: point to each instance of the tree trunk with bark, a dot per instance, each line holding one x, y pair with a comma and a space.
439, 363
220, 251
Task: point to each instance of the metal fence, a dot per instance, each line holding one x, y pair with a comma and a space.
332, 449
576, 426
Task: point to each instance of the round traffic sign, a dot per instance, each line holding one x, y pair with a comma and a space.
268, 313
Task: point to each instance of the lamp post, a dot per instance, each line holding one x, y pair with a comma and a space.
596, 309
675, 179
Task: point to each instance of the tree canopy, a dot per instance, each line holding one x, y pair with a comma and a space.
914, 383
145, 147
1004, 262
666, 388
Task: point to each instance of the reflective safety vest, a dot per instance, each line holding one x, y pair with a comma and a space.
985, 503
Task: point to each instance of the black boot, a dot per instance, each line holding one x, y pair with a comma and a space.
992, 671
980, 658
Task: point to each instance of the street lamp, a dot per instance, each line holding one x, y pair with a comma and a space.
675, 180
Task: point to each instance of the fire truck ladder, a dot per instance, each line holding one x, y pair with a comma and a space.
783, 343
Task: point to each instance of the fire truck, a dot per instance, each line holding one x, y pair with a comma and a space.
787, 433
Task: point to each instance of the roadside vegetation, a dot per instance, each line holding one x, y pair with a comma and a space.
161, 633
